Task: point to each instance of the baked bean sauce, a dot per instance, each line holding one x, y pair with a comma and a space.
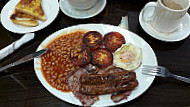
56, 63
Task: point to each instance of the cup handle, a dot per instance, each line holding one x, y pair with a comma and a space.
148, 5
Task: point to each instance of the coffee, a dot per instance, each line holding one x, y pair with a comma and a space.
172, 4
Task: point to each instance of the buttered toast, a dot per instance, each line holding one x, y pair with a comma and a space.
31, 7
23, 19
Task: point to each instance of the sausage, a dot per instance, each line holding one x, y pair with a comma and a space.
107, 78
114, 70
108, 87
126, 85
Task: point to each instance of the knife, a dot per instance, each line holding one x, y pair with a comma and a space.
25, 59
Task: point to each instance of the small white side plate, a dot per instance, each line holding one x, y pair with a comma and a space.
51, 10
67, 9
175, 36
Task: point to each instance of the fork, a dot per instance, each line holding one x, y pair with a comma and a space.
162, 72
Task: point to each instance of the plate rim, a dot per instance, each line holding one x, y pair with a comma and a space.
66, 29
86, 17
56, 11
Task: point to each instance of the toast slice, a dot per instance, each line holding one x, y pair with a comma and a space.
23, 19
31, 7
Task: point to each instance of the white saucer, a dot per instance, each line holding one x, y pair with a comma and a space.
177, 35
82, 14
51, 10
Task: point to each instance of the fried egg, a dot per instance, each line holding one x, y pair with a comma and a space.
129, 57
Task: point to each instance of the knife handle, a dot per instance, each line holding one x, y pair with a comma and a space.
25, 59
5, 67
20, 61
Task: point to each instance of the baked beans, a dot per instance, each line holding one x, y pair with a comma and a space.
56, 63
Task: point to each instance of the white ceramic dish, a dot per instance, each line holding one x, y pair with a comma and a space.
148, 58
81, 14
51, 10
178, 35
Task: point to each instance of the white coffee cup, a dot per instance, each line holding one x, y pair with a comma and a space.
82, 4
166, 19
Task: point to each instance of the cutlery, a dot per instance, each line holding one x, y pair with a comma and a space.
162, 72
15, 45
25, 59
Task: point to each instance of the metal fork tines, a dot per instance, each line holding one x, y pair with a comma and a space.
162, 71
152, 70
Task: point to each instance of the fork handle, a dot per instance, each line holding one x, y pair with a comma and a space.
181, 78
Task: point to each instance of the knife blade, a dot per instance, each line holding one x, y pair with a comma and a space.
25, 59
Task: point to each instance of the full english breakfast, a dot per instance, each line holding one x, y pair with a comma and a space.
88, 64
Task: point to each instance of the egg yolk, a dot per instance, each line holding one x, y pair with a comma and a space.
127, 56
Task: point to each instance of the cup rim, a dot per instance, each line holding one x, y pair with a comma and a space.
186, 8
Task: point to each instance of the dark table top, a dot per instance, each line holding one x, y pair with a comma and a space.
24, 89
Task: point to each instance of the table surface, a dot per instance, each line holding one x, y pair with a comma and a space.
23, 89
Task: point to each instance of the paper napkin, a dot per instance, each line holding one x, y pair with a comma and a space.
15, 45
124, 23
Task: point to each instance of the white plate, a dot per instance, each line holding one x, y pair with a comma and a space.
178, 35
148, 58
51, 10
82, 14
